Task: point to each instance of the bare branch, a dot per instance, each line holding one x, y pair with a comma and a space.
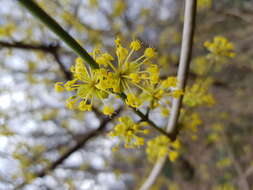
51, 49
79, 144
19, 45
185, 57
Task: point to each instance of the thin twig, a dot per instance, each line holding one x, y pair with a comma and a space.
79, 144
151, 123
51, 49
185, 57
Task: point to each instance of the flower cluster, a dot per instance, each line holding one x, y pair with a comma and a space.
159, 93
134, 77
130, 132
162, 146
220, 47
197, 94
85, 84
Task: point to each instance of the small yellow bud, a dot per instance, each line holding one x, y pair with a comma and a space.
169, 82
58, 87
108, 110
135, 77
135, 45
70, 103
83, 106
133, 101
149, 52
165, 111
79, 60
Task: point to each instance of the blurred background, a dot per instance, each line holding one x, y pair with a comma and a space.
44, 146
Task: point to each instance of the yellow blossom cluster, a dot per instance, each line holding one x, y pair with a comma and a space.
137, 78
198, 94
85, 84
161, 146
221, 50
130, 132
220, 47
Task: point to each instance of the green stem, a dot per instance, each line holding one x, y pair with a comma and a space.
39, 13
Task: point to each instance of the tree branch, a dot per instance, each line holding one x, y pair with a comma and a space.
52, 49
185, 57
19, 45
79, 144
151, 123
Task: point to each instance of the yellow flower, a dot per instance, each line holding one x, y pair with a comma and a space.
198, 94
165, 111
135, 77
70, 102
169, 82
59, 87
220, 47
123, 75
83, 106
158, 93
154, 73
69, 86
149, 52
133, 101
86, 84
129, 132
108, 110
191, 122
121, 53
162, 146
104, 59
177, 93
173, 155
128, 74
135, 45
